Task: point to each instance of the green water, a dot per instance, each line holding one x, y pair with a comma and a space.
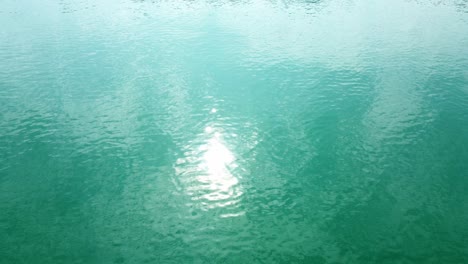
233, 131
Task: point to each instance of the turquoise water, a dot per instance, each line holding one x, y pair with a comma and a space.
233, 131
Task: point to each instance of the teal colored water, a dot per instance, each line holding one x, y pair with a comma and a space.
233, 131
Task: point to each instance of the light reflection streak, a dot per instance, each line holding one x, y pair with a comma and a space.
206, 171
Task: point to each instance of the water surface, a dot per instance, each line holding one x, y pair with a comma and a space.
233, 131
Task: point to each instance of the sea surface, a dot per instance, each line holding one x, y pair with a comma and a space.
248, 131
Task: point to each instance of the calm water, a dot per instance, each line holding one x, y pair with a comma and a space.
223, 131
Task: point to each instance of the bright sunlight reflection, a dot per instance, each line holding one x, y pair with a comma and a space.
217, 161
207, 173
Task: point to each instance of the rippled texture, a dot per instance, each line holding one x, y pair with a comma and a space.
233, 131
